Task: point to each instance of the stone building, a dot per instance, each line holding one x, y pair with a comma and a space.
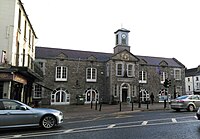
120, 76
17, 52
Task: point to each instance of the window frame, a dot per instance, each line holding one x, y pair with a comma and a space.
164, 75
92, 76
36, 91
61, 78
143, 78
122, 69
177, 76
131, 71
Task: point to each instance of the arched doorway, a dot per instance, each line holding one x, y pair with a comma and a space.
91, 95
125, 92
60, 96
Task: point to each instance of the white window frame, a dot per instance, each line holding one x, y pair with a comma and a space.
122, 69
164, 75
177, 76
144, 77
37, 90
62, 75
131, 72
92, 77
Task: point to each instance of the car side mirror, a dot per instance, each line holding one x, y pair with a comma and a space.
23, 108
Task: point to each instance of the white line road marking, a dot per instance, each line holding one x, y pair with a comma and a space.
144, 122
111, 126
174, 120
67, 131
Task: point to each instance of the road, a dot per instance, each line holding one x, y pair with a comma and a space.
130, 125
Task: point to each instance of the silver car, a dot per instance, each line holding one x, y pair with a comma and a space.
188, 102
16, 114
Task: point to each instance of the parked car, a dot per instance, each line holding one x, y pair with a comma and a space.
198, 113
188, 102
17, 114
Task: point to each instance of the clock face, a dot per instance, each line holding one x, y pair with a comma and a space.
123, 36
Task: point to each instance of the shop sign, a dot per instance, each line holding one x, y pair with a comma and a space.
20, 79
5, 76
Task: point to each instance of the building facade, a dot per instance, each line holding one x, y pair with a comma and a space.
192, 81
109, 77
17, 52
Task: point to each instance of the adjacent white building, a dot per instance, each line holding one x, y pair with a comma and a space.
17, 51
192, 81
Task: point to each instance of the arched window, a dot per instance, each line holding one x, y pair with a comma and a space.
91, 95
60, 96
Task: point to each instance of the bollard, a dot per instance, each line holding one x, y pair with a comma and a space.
100, 106
91, 104
120, 106
147, 104
132, 105
96, 106
165, 103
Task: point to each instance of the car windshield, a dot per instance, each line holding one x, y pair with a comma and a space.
181, 97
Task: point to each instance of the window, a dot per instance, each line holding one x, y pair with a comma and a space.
177, 74
37, 91
164, 76
91, 74
119, 69
115, 89
134, 91
61, 73
197, 78
25, 30
10, 105
188, 79
33, 37
19, 20
60, 96
189, 88
142, 77
130, 70
123, 41
197, 86
42, 66
29, 40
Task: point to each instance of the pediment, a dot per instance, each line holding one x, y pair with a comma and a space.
62, 56
125, 56
92, 58
163, 63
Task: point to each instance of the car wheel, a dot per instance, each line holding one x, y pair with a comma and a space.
191, 108
48, 121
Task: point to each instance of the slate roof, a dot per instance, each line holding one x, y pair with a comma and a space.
192, 72
45, 52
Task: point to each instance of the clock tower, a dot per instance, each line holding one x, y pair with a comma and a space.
121, 41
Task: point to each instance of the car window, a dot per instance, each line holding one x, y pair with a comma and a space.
181, 97
9, 105
1, 106
195, 97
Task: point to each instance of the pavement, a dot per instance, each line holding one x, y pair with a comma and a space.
86, 110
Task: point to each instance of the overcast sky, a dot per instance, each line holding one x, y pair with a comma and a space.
159, 28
